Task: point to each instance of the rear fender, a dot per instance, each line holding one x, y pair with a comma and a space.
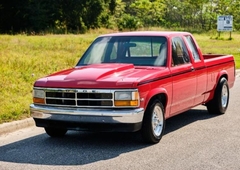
222, 73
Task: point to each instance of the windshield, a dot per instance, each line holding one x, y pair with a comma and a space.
138, 50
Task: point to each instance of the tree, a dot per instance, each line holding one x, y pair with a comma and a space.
12, 16
149, 13
77, 16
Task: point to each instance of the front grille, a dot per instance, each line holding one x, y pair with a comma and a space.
94, 95
79, 98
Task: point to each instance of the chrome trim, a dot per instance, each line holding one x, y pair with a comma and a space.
157, 121
224, 96
87, 115
75, 91
82, 90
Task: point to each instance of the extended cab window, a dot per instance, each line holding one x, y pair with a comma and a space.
179, 52
193, 48
138, 50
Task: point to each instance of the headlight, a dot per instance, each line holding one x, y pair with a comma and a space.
123, 95
38, 96
126, 98
38, 93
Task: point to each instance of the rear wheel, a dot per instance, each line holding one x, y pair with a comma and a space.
153, 122
55, 132
219, 104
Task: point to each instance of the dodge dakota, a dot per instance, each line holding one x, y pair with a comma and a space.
133, 81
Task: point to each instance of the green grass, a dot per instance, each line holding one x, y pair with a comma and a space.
24, 59
210, 43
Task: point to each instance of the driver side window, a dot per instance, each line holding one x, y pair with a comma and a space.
179, 52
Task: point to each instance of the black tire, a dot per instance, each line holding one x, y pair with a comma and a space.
219, 103
55, 132
153, 122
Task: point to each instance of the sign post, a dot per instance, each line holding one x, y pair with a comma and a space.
225, 23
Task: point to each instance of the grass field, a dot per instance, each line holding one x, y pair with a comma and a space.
24, 59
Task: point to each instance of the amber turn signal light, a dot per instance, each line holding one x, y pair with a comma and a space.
38, 100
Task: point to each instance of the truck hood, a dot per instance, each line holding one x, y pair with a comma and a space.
100, 76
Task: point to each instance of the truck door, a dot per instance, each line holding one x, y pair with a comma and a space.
183, 77
200, 70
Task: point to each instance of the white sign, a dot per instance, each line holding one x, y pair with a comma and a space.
225, 23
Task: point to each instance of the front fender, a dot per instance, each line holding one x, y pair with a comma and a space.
155, 92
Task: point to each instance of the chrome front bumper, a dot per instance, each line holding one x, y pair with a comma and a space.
85, 115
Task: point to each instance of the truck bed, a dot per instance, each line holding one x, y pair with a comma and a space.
215, 63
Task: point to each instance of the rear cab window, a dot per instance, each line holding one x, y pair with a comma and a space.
192, 47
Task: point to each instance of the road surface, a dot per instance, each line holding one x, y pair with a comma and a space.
193, 140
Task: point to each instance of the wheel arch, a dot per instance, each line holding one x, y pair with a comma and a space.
222, 74
154, 120
219, 103
160, 94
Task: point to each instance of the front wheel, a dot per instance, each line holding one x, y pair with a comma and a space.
55, 132
219, 103
153, 122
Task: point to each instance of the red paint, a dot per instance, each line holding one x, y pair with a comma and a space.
184, 86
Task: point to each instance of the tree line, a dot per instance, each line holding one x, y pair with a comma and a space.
78, 16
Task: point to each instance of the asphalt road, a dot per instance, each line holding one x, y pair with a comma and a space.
193, 140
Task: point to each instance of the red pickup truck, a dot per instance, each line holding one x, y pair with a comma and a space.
133, 81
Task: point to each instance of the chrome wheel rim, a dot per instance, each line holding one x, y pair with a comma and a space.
224, 97
157, 121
